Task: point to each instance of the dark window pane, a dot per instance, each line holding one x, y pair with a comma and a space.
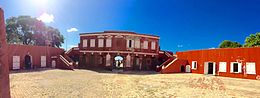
235, 67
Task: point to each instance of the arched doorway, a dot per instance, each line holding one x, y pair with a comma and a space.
28, 61
188, 68
182, 68
118, 62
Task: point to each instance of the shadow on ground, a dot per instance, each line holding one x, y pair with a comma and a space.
132, 72
32, 70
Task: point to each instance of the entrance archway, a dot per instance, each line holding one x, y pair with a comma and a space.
118, 62
28, 61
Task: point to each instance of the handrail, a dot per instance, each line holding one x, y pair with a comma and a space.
170, 63
65, 61
167, 61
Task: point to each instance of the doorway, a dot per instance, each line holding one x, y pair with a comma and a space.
182, 68
118, 62
210, 68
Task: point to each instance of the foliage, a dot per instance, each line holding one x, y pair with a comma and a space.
229, 44
253, 40
30, 31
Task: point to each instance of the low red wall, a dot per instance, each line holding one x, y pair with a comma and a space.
224, 55
35, 51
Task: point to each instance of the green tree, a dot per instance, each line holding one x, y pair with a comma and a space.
229, 44
253, 40
30, 31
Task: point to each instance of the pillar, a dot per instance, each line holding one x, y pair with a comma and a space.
4, 68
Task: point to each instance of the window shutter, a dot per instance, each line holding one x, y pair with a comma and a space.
127, 43
239, 67
231, 67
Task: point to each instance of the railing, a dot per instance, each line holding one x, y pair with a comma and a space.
164, 67
66, 61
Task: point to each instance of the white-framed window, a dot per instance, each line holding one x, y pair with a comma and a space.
100, 42
153, 44
194, 64
92, 42
145, 45
85, 43
137, 43
108, 42
235, 67
130, 43
222, 66
250, 68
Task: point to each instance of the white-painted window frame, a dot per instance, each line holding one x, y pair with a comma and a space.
137, 43
153, 45
145, 45
84, 43
92, 42
232, 67
100, 42
251, 69
194, 65
109, 42
222, 66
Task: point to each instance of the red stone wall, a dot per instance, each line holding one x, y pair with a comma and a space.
35, 51
224, 55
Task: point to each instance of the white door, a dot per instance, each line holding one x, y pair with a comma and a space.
53, 63
187, 68
16, 62
43, 61
214, 68
206, 65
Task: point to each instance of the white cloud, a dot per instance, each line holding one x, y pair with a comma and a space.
46, 18
179, 46
72, 30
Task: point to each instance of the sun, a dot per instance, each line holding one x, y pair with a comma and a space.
40, 2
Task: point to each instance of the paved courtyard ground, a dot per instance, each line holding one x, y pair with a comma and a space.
55, 83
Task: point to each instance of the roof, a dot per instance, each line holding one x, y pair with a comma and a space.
115, 31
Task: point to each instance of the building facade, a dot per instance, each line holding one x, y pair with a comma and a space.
110, 49
227, 62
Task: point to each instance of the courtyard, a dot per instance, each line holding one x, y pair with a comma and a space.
55, 83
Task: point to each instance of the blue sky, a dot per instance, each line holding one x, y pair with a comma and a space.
181, 24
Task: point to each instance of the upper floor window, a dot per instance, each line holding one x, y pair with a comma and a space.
130, 43
137, 43
92, 42
145, 45
153, 45
100, 42
108, 42
85, 43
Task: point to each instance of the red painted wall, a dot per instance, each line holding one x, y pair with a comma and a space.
35, 51
4, 72
223, 55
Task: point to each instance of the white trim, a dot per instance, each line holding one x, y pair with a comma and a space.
139, 35
100, 43
232, 67
194, 65
118, 52
222, 66
251, 68
92, 43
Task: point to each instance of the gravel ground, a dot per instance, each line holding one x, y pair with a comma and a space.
55, 83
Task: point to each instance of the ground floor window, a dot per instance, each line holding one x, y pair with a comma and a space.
235, 67
250, 68
194, 64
